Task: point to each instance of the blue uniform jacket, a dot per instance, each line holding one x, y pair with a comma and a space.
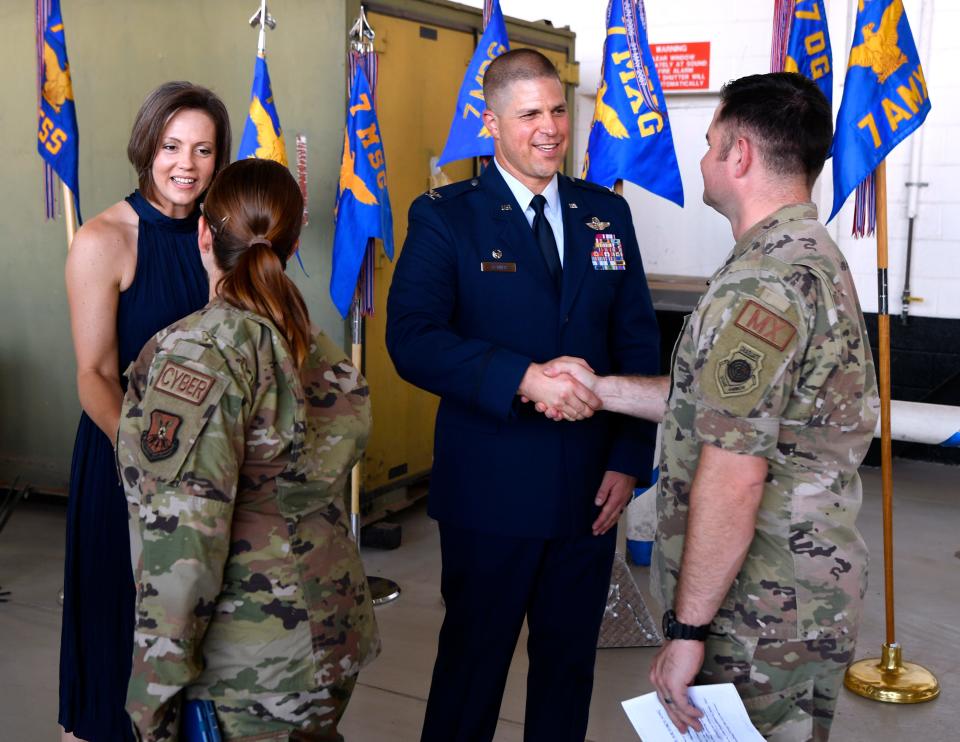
468, 336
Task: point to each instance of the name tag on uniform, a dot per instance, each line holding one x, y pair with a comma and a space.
607, 253
492, 267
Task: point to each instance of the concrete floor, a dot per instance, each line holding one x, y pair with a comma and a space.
389, 702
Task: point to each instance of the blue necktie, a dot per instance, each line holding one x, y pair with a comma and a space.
546, 240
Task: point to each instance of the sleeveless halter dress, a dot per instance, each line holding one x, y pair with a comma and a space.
96, 644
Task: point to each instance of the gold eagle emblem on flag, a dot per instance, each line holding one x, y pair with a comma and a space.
57, 87
269, 145
879, 50
349, 180
607, 115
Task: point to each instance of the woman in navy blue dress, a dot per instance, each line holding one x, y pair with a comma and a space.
131, 271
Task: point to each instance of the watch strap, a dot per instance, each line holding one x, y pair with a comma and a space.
673, 629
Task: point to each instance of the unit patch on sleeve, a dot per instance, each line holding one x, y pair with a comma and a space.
160, 440
183, 383
766, 325
739, 372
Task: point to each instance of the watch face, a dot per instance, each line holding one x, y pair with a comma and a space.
665, 624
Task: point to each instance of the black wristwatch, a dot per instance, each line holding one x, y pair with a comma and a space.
673, 629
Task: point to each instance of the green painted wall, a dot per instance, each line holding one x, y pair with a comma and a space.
119, 50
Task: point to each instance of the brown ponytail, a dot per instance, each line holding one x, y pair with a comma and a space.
255, 210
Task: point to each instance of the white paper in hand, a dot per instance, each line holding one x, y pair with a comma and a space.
724, 717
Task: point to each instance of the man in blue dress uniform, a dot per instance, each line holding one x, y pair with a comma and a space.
498, 276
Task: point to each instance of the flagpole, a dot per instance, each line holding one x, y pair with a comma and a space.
262, 39
356, 357
382, 589
888, 678
264, 20
886, 451
69, 213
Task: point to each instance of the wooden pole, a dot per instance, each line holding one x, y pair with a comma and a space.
883, 373
889, 679
69, 214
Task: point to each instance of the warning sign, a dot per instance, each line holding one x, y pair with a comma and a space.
683, 66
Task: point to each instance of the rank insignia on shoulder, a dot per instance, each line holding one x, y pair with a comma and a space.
160, 440
432, 195
596, 225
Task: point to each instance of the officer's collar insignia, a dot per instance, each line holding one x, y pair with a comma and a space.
160, 441
506, 207
433, 195
596, 224
572, 206
497, 254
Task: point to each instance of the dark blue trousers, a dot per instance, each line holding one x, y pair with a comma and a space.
490, 583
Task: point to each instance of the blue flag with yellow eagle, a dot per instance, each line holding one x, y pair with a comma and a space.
630, 136
884, 97
808, 48
262, 135
57, 132
363, 204
468, 136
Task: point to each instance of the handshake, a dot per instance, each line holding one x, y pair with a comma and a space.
562, 389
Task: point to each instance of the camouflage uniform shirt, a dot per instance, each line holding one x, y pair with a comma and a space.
234, 465
775, 362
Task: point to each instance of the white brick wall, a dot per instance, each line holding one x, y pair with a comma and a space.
693, 240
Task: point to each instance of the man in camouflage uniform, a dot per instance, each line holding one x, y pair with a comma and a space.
250, 590
770, 409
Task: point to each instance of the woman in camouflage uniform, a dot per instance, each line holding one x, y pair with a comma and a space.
238, 432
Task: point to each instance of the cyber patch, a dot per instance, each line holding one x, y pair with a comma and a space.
183, 383
765, 325
160, 440
739, 372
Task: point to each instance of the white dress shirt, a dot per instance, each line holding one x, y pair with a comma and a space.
551, 211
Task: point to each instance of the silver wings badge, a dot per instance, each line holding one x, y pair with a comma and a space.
597, 225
